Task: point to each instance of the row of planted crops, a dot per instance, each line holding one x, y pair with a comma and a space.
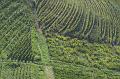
15, 34
92, 20
18, 70
16, 57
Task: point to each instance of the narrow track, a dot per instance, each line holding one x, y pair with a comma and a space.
43, 48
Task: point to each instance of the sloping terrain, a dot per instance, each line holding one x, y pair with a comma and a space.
18, 60
79, 59
94, 20
59, 39
15, 37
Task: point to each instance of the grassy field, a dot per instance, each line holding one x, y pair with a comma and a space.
59, 39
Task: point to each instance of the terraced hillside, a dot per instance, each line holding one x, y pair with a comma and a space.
59, 39
15, 42
18, 57
94, 20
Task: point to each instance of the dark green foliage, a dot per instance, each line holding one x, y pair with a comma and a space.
104, 58
15, 37
83, 37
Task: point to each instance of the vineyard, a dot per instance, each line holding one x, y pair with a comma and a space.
96, 21
59, 39
18, 60
19, 70
15, 42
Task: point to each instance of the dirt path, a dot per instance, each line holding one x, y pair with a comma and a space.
49, 72
42, 46
41, 43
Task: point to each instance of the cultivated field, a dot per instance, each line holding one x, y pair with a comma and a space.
59, 39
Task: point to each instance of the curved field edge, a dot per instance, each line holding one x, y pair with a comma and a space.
16, 45
96, 21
